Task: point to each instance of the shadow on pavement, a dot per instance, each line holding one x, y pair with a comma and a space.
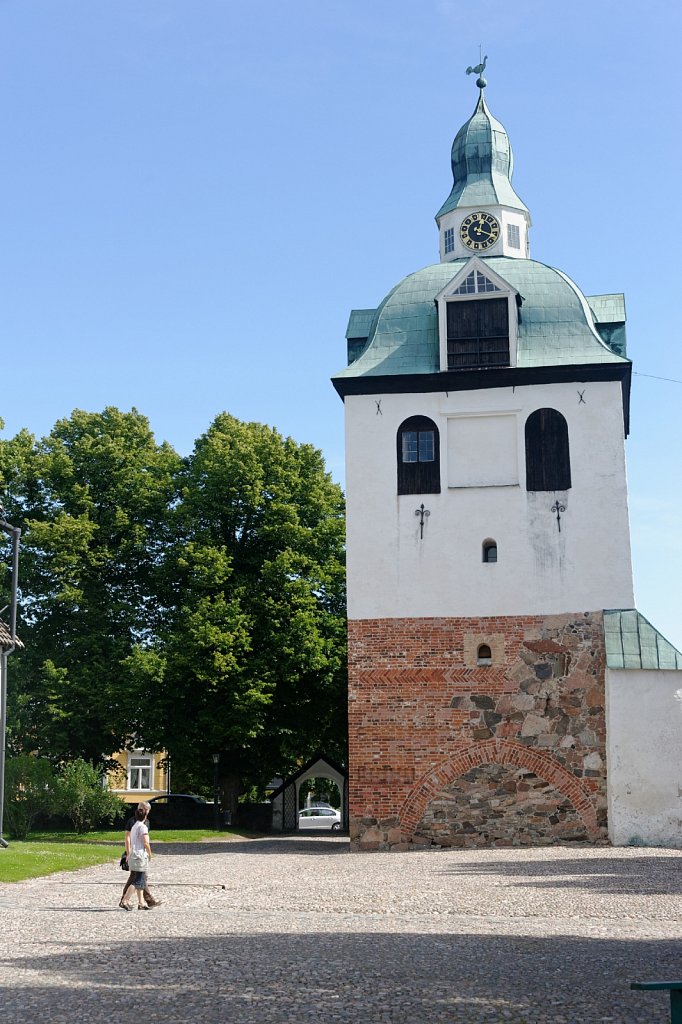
300, 844
644, 876
281, 978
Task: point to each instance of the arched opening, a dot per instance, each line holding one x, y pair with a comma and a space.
418, 456
319, 792
548, 462
484, 655
508, 752
499, 805
319, 804
489, 550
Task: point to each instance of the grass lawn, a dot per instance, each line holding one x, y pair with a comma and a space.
166, 835
31, 859
45, 852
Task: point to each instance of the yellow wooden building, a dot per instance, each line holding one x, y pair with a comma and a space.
141, 775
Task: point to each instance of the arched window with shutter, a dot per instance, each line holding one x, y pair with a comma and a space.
548, 462
418, 454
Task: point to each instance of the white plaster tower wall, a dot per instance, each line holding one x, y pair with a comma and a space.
394, 572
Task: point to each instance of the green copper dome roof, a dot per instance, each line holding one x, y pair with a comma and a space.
482, 164
556, 326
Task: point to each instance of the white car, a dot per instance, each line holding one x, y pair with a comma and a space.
319, 817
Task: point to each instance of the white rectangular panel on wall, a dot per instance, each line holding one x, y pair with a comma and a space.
482, 451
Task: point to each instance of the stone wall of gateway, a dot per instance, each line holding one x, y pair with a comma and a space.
445, 751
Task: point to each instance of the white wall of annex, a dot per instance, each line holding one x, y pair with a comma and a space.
586, 565
644, 756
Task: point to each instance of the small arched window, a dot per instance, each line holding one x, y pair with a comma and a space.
484, 656
418, 453
548, 462
489, 551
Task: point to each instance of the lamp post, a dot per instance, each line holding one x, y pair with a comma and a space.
216, 793
15, 533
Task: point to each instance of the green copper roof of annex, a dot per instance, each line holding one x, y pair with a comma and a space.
556, 326
482, 164
632, 642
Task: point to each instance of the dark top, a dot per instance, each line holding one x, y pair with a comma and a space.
131, 821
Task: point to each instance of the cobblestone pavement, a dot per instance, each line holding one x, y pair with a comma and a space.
298, 929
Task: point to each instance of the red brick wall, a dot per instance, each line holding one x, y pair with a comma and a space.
423, 714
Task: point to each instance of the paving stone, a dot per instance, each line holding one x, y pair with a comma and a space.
298, 929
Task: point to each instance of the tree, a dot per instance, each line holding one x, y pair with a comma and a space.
195, 606
30, 784
93, 502
80, 796
250, 662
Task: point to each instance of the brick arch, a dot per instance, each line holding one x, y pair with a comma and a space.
506, 752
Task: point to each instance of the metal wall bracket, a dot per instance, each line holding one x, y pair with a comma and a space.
423, 513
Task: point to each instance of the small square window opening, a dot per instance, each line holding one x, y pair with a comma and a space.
418, 446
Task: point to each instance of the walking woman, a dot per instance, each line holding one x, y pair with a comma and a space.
138, 858
148, 898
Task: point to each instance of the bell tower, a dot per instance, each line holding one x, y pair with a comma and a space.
490, 588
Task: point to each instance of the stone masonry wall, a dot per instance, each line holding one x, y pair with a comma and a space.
444, 751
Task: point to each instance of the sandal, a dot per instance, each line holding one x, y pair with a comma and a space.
123, 905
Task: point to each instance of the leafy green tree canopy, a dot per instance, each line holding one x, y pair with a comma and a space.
251, 663
195, 606
93, 501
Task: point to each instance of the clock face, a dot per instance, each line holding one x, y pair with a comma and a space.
479, 231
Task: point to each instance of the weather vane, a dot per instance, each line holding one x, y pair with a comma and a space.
479, 69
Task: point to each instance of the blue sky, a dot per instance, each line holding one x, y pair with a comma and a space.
193, 195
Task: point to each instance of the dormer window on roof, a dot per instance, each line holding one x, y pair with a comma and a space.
478, 334
477, 320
